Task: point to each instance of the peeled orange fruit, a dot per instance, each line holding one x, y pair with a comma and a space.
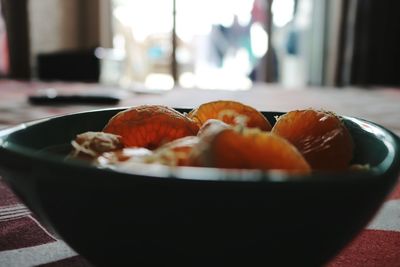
230, 112
220, 134
250, 149
150, 126
320, 136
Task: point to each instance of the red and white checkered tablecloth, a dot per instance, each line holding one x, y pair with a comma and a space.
25, 242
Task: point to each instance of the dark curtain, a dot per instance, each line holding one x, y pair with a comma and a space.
375, 44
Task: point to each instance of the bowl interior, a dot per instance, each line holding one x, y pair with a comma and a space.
49, 139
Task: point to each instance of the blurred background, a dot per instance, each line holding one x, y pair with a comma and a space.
210, 44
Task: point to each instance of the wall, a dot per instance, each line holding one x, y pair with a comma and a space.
57, 25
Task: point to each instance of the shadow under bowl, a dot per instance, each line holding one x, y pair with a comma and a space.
194, 216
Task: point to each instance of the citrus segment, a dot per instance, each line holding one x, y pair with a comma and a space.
320, 136
230, 112
150, 126
251, 149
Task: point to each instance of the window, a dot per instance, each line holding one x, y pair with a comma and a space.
224, 44
218, 43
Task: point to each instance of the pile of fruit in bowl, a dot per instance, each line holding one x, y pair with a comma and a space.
220, 134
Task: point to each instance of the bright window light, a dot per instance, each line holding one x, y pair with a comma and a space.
282, 11
259, 40
187, 80
145, 17
159, 81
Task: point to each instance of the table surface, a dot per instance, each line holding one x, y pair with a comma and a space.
24, 242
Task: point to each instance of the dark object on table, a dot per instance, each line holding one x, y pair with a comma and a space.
194, 216
79, 65
76, 99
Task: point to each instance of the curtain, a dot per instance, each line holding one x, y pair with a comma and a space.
371, 41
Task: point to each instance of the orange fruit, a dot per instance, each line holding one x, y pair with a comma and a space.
320, 136
150, 126
230, 112
250, 149
205, 135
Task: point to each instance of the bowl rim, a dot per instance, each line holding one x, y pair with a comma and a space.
391, 163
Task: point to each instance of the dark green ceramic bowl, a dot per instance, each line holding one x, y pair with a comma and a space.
194, 216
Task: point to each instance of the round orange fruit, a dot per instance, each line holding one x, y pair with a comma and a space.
150, 126
320, 136
250, 149
230, 112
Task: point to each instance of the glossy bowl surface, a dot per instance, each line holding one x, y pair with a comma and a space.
194, 216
